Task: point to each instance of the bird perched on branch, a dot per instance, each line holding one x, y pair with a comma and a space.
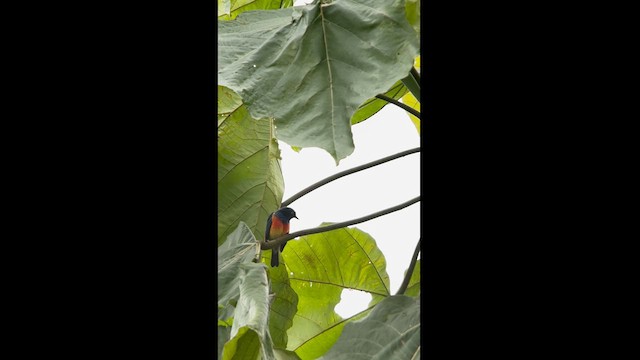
278, 225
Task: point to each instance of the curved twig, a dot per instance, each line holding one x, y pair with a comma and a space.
283, 239
412, 265
395, 102
329, 179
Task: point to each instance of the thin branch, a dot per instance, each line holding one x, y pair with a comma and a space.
412, 265
413, 111
283, 239
329, 179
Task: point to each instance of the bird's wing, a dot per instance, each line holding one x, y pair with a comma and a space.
266, 233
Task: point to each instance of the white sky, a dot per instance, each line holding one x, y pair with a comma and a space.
388, 132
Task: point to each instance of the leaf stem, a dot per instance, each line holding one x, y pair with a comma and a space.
413, 111
412, 82
416, 74
329, 179
412, 265
283, 239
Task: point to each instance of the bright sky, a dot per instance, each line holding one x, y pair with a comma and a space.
388, 132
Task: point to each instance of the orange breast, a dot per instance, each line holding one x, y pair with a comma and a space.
277, 228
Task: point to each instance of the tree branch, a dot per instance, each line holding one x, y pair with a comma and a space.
329, 179
415, 74
413, 111
412, 265
283, 239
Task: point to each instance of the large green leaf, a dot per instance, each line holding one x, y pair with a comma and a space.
224, 335
391, 331
250, 183
228, 103
241, 247
321, 266
284, 305
230, 9
243, 294
373, 105
245, 345
285, 355
334, 56
413, 13
251, 316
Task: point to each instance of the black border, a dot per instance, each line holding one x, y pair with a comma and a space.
120, 183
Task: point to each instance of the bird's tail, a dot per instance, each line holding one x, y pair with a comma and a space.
275, 255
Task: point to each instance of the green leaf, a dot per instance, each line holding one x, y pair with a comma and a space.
284, 305
253, 307
391, 331
243, 291
286, 3
373, 105
413, 13
412, 84
244, 346
334, 56
285, 355
414, 283
321, 266
240, 247
410, 100
250, 183
224, 8
230, 9
228, 103
223, 336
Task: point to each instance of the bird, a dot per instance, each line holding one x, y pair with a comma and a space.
278, 225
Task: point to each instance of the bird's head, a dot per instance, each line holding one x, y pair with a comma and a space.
286, 213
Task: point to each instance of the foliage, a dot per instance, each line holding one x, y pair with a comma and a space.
413, 13
285, 302
243, 292
390, 332
410, 99
230, 9
304, 75
322, 265
373, 105
333, 56
250, 180
414, 282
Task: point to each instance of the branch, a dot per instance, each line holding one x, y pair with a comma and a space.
412, 265
413, 111
416, 74
283, 239
325, 181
